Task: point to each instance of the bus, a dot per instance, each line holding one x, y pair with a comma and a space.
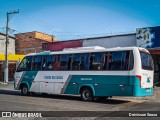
87, 71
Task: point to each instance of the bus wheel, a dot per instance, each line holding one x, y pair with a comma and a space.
24, 90
87, 94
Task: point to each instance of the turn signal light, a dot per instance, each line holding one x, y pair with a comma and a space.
140, 79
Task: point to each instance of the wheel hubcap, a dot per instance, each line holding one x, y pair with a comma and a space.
24, 90
86, 94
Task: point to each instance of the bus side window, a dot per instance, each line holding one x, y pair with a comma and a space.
124, 60
96, 61
64, 62
36, 63
131, 61
91, 62
109, 61
105, 61
84, 65
76, 62
69, 63
119, 60
127, 60
114, 61
44, 62
29, 62
50, 62
47, 62
57, 62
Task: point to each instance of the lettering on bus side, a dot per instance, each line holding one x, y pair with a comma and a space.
53, 77
86, 79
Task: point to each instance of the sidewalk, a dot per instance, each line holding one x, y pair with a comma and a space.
156, 95
10, 82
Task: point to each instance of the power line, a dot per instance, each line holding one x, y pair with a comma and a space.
40, 23
46, 23
84, 36
69, 35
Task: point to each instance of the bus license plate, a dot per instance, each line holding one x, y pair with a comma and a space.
147, 90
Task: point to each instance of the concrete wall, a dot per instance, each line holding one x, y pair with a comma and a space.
11, 45
124, 40
57, 46
112, 41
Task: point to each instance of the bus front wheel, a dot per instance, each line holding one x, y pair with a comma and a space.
87, 94
24, 90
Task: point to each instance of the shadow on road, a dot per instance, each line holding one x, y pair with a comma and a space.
62, 97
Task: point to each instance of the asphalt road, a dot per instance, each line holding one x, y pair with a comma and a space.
11, 100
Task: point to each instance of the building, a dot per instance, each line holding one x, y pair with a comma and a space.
123, 40
31, 42
12, 58
11, 51
149, 38
11, 45
60, 45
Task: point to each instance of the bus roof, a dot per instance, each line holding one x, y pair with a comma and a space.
40, 53
86, 49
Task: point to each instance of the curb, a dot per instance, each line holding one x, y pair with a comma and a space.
133, 99
3, 83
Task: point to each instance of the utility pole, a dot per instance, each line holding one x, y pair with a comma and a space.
7, 42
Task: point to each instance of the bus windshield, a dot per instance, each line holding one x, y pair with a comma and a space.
147, 63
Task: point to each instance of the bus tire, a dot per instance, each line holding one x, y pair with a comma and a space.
24, 90
87, 94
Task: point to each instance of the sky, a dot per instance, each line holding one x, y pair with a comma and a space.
74, 19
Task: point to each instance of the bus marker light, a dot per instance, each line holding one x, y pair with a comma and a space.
97, 84
75, 83
140, 78
147, 90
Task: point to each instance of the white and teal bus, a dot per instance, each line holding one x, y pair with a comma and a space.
87, 71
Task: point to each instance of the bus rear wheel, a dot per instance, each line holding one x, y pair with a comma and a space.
87, 94
24, 90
